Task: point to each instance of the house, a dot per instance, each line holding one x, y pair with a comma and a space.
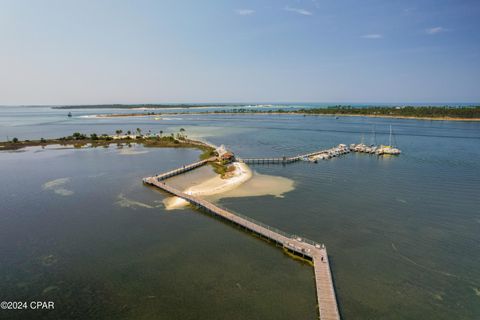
224, 154
227, 156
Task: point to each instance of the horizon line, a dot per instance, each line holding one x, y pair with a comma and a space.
342, 103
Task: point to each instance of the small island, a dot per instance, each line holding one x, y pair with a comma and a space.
222, 166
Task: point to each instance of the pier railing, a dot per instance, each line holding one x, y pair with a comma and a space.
286, 160
270, 228
296, 245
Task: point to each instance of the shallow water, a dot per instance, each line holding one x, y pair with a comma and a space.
403, 232
205, 183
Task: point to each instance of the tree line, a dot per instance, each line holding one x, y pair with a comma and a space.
404, 111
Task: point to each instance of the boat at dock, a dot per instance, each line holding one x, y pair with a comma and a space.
389, 149
329, 153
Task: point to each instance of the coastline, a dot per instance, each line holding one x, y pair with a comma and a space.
397, 117
118, 115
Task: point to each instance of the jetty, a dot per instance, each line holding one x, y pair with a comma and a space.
298, 246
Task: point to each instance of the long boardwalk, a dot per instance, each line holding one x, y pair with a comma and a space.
174, 172
317, 253
284, 160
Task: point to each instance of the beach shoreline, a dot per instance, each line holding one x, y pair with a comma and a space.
243, 183
214, 185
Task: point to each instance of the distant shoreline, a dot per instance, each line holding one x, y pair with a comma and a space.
120, 115
137, 106
398, 117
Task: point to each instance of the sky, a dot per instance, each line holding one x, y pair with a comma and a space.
191, 51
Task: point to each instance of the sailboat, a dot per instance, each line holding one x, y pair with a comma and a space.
390, 149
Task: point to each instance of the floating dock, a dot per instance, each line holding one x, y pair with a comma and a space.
307, 249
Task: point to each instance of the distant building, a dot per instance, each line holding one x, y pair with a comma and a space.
224, 154
228, 156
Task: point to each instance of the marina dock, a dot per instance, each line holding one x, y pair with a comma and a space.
282, 160
325, 154
321, 154
298, 246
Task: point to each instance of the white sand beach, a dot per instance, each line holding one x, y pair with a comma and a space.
243, 183
214, 186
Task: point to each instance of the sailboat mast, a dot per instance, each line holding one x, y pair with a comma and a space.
390, 140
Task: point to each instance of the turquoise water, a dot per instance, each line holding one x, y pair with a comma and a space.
403, 233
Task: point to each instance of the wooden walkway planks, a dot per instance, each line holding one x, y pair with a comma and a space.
327, 303
284, 160
174, 172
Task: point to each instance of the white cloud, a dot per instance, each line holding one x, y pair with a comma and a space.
435, 30
372, 36
299, 11
245, 12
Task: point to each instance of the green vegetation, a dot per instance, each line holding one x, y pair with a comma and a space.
428, 112
219, 168
407, 111
222, 167
78, 140
77, 136
207, 153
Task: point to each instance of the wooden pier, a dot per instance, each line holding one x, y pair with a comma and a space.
285, 160
171, 173
282, 160
307, 249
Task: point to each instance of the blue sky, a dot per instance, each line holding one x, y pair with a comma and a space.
85, 52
